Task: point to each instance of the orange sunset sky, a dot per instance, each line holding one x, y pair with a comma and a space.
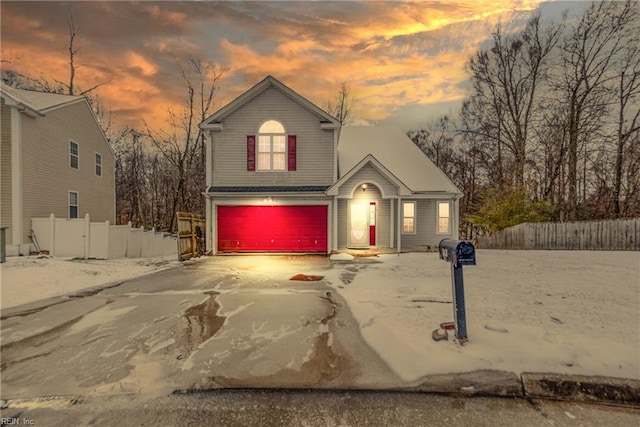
403, 62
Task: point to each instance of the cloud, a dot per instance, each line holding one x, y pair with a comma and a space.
391, 54
138, 62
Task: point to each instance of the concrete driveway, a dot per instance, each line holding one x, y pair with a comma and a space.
221, 322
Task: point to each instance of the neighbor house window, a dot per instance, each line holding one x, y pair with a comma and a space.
272, 147
73, 204
98, 164
409, 217
443, 217
73, 154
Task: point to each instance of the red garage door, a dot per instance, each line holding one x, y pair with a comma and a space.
272, 228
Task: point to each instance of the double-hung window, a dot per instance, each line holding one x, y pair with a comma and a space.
272, 147
443, 217
73, 204
409, 217
73, 154
98, 164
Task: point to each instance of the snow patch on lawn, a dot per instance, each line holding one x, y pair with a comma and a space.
31, 278
572, 312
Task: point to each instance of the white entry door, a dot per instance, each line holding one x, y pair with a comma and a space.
358, 224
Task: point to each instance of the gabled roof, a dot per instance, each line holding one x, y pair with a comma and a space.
39, 102
391, 147
256, 90
403, 190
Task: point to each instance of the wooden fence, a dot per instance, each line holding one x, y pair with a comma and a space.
191, 235
609, 235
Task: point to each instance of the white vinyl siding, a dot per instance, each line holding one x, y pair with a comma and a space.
343, 232
314, 150
6, 206
369, 174
47, 176
426, 225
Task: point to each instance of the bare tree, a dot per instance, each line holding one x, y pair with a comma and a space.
183, 145
507, 78
340, 106
589, 53
436, 141
628, 120
70, 85
131, 157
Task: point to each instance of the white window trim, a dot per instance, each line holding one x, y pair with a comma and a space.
448, 202
77, 156
96, 163
69, 205
271, 152
415, 217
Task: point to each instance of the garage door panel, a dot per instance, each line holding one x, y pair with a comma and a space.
272, 228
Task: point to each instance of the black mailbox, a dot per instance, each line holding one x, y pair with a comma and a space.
457, 252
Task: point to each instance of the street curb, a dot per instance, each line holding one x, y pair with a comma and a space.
582, 388
475, 383
492, 383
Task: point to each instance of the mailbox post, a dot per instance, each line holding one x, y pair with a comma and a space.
458, 253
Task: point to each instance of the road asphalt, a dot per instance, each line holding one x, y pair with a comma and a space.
258, 407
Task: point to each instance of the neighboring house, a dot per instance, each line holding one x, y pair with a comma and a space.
54, 159
283, 176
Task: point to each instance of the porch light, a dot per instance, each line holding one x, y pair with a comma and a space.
364, 187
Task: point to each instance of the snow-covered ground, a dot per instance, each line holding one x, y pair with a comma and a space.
29, 278
572, 312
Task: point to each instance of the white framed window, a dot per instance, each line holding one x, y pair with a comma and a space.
73, 204
272, 147
408, 217
73, 155
444, 215
98, 164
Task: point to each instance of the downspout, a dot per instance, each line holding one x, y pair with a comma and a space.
208, 201
335, 223
399, 225
16, 179
391, 224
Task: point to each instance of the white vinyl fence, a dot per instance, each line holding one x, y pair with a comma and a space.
85, 239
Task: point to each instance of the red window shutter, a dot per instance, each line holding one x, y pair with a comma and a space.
251, 152
292, 153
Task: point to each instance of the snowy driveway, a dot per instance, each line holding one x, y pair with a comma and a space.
224, 322
240, 321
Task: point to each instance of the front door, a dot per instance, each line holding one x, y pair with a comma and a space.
362, 224
372, 223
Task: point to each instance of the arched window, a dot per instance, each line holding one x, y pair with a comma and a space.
272, 147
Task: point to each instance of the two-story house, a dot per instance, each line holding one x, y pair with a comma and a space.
284, 176
54, 159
